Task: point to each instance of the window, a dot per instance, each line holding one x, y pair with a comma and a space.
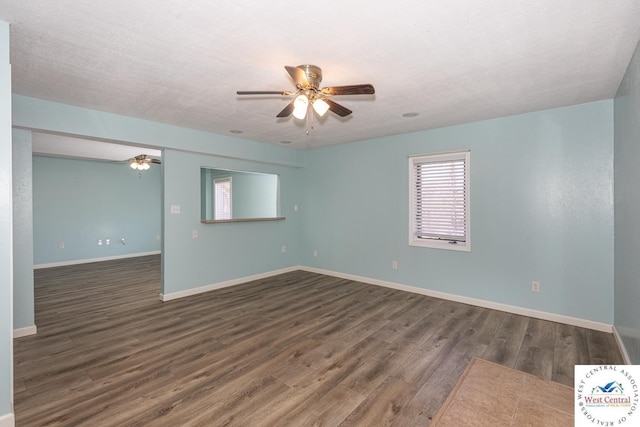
439, 201
222, 198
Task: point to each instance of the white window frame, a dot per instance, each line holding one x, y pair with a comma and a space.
414, 240
217, 181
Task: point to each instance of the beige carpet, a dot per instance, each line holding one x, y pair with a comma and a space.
488, 394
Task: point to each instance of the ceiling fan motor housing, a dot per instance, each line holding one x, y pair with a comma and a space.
313, 73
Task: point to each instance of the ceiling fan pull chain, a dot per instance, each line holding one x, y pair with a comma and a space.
313, 119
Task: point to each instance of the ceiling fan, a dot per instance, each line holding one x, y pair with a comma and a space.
308, 93
141, 162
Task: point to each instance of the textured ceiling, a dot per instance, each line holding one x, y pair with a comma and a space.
180, 62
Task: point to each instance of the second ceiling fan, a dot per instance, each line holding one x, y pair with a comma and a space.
308, 93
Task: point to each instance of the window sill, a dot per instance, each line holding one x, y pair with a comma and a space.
216, 221
438, 244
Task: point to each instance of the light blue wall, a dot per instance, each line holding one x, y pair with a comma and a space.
627, 209
541, 192
6, 228
541, 209
206, 193
43, 115
223, 251
254, 195
23, 303
79, 202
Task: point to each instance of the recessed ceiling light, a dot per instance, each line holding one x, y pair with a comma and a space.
412, 114
235, 131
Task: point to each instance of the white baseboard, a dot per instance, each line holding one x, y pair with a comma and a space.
623, 348
7, 420
574, 321
24, 332
226, 284
543, 315
86, 261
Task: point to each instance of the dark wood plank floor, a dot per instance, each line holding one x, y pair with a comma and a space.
298, 349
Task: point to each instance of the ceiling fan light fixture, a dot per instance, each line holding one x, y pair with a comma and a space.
140, 163
320, 107
301, 105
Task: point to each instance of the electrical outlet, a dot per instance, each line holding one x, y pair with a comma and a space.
194, 234
295, 208
315, 253
535, 286
175, 209
107, 242
394, 265
61, 245
284, 249
100, 242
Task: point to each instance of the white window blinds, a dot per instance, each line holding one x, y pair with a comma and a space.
222, 199
440, 200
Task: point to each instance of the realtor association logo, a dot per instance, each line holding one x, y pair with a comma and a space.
606, 395
611, 394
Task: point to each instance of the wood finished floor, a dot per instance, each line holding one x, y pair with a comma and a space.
299, 349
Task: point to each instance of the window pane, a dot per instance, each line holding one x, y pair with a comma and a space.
222, 199
439, 205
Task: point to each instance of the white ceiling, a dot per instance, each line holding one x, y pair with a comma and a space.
181, 62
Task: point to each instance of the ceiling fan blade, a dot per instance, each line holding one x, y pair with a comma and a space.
286, 112
365, 89
263, 92
337, 108
155, 161
298, 75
